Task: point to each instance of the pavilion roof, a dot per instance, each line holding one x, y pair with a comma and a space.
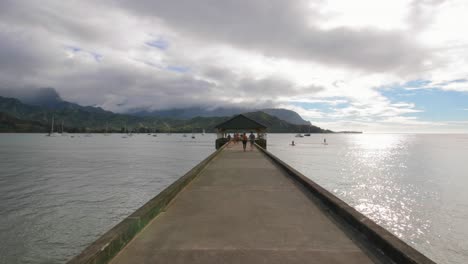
240, 122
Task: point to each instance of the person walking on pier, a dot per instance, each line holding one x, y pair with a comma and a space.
244, 141
252, 140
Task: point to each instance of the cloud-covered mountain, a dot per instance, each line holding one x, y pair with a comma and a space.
50, 98
187, 113
15, 116
47, 97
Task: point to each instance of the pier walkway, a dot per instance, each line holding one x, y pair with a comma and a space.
243, 208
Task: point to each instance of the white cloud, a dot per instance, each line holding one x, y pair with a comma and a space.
249, 53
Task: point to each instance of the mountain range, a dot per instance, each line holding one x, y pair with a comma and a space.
34, 113
187, 113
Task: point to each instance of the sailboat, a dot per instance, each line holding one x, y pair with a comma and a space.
154, 130
107, 128
52, 133
193, 135
184, 135
169, 128
63, 133
307, 134
125, 132
203, 133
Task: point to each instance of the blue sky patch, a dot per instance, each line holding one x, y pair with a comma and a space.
437, 105
159, 43
325, 107
180, 69
73, 48
97, 57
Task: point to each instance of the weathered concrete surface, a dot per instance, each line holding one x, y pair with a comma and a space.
242, 209
111, 242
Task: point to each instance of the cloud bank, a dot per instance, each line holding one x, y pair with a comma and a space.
329, 60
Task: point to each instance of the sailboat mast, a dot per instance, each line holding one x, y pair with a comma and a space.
52, 127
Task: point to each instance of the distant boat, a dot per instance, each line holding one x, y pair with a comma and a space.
307, 134
52, 133
155, 135
107, 128
125, 135
299, 135
184, 135
203, 133
63, 133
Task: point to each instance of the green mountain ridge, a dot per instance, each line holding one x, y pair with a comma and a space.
19, 117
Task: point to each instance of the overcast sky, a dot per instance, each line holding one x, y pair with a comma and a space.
377, 66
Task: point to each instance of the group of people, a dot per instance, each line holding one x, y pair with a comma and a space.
242, 137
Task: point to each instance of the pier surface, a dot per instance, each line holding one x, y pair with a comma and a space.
242, 208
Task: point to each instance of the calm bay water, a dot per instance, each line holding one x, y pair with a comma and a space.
59, 194
413, 185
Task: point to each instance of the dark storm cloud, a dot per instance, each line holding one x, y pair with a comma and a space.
284, 29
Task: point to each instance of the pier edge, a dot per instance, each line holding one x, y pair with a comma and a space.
378, 237
111, 242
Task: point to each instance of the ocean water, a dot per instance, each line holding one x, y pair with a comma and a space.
416, 186
58, 194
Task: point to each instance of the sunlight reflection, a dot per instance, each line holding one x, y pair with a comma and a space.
375, 172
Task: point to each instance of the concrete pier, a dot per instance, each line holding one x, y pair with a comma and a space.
242, 209
247, 207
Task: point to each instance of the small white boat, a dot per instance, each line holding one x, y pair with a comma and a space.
107, 128
299, 135
52, 133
